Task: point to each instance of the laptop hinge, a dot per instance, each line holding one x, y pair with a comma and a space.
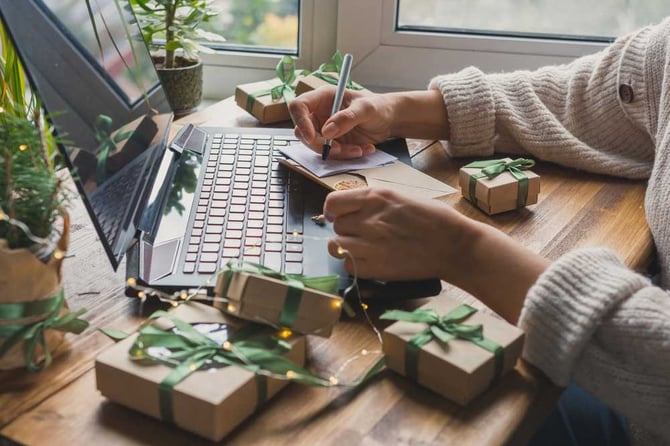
189, 138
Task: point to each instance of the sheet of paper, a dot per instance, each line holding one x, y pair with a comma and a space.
312, 161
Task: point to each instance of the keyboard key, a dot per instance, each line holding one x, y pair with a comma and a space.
293, 257
258, 192
255, 224
273, 247
191, 257
274, 229
198, 224
253, 258
217, 212
210, 247
238, 209
193, 248
239, 200
276, 212
189, 267
215, 221
214, 229
257, 207
254, 233
235, 225
256, 216
256, 199
209, 257
230, 253
196, 232
293, 268
232, 243
207, 268
213, 238
194, 241
199, 217
293, 247
239, 193
276, 204
236, 217
275, 221
253, 242
259, 184
219, 204
231, 234
261, 161
274, 238
272, 260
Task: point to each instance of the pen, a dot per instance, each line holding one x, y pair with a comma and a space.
339, 95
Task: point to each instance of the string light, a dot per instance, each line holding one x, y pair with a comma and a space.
227, 346
364, 352
337, 303
183, 295
291, 374
23, 147
231, 308
334, 381
131, 282
2, 110
58, 254
364, 306
285, 333
341, 251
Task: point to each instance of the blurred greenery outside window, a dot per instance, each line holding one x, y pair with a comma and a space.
566, 19
256, 25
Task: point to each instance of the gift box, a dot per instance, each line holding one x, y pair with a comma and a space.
316, 80
496, 186
268, 100
198, 394
451, 348
283, 303
256, 99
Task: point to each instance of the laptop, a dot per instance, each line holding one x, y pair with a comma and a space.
178, 209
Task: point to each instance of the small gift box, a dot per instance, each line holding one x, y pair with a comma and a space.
496, 186
199, 369
308, 305
327, 74
267, 100
451, 348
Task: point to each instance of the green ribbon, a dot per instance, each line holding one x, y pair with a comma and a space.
187, 350
296, 284
444, 329
286, 72
33, 334
493, 168
334, 66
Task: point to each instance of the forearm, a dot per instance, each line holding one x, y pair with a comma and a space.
494, 269
419, 114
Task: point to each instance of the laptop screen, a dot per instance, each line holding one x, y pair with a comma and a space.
90, 66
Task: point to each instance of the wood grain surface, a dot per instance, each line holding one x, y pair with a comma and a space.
62, 406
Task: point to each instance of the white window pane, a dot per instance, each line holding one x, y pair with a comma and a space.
562, 18
257, 24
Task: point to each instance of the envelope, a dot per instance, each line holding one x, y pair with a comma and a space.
396, 176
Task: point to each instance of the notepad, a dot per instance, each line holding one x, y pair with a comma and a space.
312, 161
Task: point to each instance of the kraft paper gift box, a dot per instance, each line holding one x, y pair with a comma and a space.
277, 302
455, 367
264, 108
509, 184
315, 80
210, 402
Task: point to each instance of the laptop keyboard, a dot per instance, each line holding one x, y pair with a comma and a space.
244, 208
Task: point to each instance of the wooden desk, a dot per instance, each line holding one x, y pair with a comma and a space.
62, 406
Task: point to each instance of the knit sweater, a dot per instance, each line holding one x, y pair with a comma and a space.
589, 319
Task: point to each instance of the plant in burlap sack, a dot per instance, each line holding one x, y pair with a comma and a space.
33, 228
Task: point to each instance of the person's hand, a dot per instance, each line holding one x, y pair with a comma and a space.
393, 237
363, 120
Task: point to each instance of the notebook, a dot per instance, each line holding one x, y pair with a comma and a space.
179, 209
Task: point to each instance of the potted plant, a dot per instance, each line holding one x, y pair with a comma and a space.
173, 28
33, 228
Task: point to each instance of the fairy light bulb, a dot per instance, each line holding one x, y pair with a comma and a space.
364, 306
58, 254
296, 233
337, 303
364, 352
291, 374
2, 110
285, 333
131, 282
192, 367
174, 304
227, 346
3, 216
340, 251
23, 147
333, 381
183, 295
231, 308
141, 295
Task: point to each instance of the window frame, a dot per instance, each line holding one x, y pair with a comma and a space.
368, 31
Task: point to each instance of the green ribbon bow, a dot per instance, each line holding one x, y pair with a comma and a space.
286, 72
107, 141
187, 350
296, 284
32, 333
334, 66
493, 168
444, 329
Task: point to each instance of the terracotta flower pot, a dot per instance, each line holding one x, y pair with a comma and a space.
23, 279
182, 84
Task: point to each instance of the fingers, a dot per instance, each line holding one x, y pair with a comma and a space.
352, 250
344, 202
347, 119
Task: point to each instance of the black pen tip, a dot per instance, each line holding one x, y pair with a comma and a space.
324, 152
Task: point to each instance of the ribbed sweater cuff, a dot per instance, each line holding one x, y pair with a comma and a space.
567, 304
471, 112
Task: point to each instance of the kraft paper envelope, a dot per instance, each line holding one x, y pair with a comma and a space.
396, 176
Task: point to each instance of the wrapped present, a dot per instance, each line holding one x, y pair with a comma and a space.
267, 100
327, 74
199, 369
308, 305
496, 186
451, 348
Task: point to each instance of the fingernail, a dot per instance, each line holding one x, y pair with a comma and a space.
329, 130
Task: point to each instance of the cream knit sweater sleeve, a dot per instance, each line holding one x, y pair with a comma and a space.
588, 319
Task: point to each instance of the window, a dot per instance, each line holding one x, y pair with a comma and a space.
257, 31
440, 36
257, 25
